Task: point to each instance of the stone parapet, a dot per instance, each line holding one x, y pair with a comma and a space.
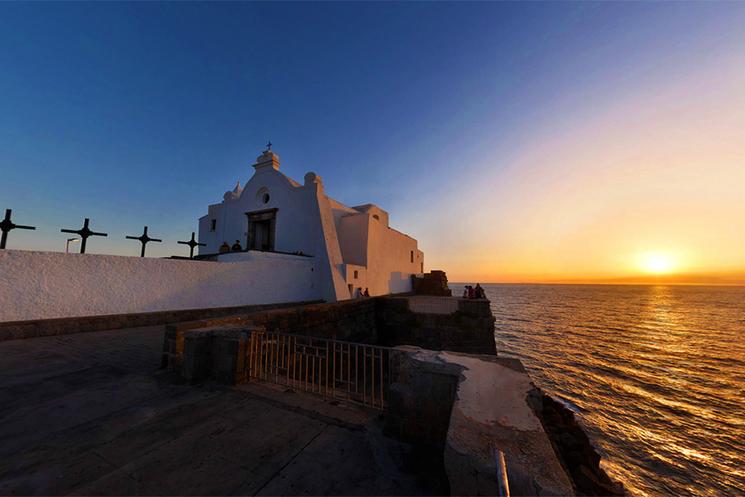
465, 408
439, 323
349, 320
450, 323
11, 330
433, 283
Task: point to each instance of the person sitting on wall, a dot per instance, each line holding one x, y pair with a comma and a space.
465, 291
358, 293
479, 291
366, 293
471, 292
236, 246
224, 248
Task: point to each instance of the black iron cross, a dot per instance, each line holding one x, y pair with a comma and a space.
192, 243
6, 225
269, 146
84, 233
144, 239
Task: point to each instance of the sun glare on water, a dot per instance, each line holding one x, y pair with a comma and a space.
657, 263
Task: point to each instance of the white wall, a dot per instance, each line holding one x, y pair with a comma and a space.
389, 265
308, 220
39, 285
353, 230
297, 227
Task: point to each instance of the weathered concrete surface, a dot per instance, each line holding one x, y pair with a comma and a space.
89, 414
488, 411
426, 304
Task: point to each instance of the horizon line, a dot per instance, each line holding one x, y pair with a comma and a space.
565, 283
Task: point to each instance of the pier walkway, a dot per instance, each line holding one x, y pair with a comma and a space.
91, 414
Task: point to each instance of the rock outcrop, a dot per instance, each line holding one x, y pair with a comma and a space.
433, 283
573, 447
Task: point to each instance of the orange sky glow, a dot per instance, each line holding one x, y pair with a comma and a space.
649, 188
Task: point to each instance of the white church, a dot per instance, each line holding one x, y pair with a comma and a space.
275, 219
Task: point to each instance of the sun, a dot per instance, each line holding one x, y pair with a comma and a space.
657, 263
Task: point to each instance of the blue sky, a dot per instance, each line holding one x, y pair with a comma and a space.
144, 113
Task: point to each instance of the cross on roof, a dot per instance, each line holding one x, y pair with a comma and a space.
84, 233
269, 146
144, 239
6, 225
192, 243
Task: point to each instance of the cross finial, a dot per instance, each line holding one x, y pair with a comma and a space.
269, 146
192, 243
84, 233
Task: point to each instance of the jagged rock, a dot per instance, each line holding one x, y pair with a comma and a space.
433, 283
573, 447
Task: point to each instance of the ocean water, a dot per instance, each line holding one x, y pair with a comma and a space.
655, 374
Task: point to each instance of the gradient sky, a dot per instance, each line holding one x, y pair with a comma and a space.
516, 142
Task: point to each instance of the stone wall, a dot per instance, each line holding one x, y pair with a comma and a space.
446, 323
13, 330
449, 324
349, 320
420, 399
433, 283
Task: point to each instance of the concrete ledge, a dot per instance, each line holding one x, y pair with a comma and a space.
467, 407
11, 330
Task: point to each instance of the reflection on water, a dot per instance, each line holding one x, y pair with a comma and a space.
656, 375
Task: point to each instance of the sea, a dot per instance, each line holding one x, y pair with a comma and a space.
655, 375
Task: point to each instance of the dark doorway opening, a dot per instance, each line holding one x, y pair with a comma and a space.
261, 226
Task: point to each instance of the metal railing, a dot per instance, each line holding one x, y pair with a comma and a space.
335, 369
503, 482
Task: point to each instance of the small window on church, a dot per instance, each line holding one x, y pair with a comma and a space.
356, 274
376, 217
265, 198
412, 256
213, 225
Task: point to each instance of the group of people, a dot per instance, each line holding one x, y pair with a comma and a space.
358, 294
224, 248
476, 292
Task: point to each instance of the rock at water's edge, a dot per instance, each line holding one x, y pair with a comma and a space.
573, 447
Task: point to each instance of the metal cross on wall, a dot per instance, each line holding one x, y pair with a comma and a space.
192, 243
144, 239
6, 225
84, 233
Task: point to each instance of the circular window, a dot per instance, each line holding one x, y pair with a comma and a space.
262, 196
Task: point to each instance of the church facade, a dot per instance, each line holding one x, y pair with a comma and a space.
353, 248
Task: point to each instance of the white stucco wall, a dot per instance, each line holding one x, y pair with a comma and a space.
359, 282
310, 221
39, 285
353, 230
389, 265
297, 224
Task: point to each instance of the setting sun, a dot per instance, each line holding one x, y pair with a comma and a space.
657, 263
